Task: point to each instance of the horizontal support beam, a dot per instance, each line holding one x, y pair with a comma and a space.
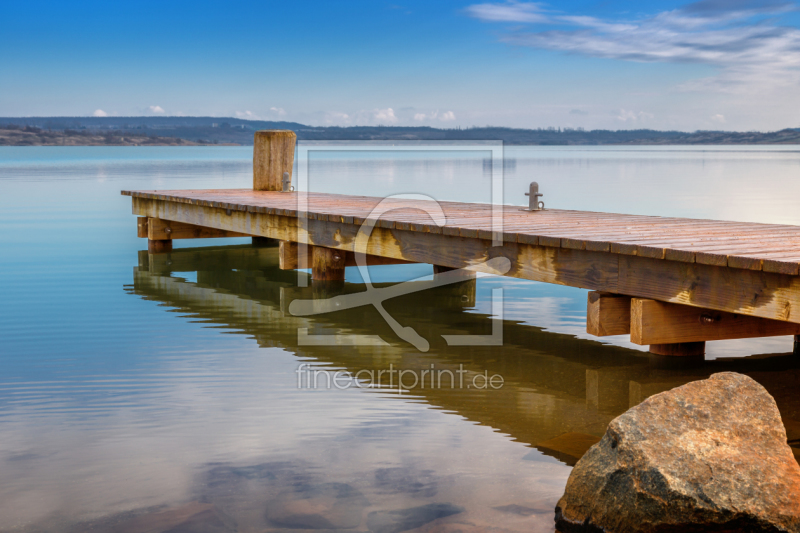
608, 314
290, 257
162, 230
746, 292
655, 322
651, 322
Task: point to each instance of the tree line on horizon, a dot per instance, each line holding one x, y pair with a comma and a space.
211, 130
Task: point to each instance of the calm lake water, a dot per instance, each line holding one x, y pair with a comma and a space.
160, 393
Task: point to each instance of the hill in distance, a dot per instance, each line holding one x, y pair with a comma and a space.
227, 131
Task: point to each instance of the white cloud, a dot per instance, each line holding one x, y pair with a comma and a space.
719, 119
632, 116
508, 12
750, 50
278, 111
99, 113
435, 115
245, 114
385, 115
337, 118
156, 109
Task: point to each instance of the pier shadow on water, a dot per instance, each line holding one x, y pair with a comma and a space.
392, 471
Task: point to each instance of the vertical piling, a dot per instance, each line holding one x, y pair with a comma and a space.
273, 154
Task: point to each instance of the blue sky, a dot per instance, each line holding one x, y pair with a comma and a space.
713, 64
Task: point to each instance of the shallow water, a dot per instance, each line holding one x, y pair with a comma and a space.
160, 393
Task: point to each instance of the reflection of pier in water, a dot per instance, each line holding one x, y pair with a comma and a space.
560, 392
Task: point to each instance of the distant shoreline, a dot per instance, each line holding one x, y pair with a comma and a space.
32, 136
205, 131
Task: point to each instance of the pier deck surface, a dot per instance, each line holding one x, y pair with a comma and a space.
751, 246
742, 268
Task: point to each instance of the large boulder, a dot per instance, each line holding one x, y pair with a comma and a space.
710, 455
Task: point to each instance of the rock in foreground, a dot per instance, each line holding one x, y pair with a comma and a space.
708, 456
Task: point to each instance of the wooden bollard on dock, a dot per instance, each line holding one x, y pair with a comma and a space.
273, 154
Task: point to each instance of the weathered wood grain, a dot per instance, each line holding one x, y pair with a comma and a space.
711, 242
273, 154
332, 221
158, 229
608, 314
327, 264
653, 322
290, 258
747, 292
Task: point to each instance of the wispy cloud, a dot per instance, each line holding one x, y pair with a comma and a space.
509, 12
156, 109
625, 115
337, 118
99, 113
384, 115
447, 116
739, 37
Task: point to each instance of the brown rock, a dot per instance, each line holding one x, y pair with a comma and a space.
708, 456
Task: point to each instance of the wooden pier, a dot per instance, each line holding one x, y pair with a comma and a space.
670, 283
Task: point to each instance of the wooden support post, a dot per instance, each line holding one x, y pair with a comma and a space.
289, 257
273, 154
327, 264
159, 246
141, 227
608, 314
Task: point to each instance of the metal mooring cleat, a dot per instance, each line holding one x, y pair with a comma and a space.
287, 183
533, 202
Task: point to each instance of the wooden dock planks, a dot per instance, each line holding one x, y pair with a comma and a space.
768, 247
737, 267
